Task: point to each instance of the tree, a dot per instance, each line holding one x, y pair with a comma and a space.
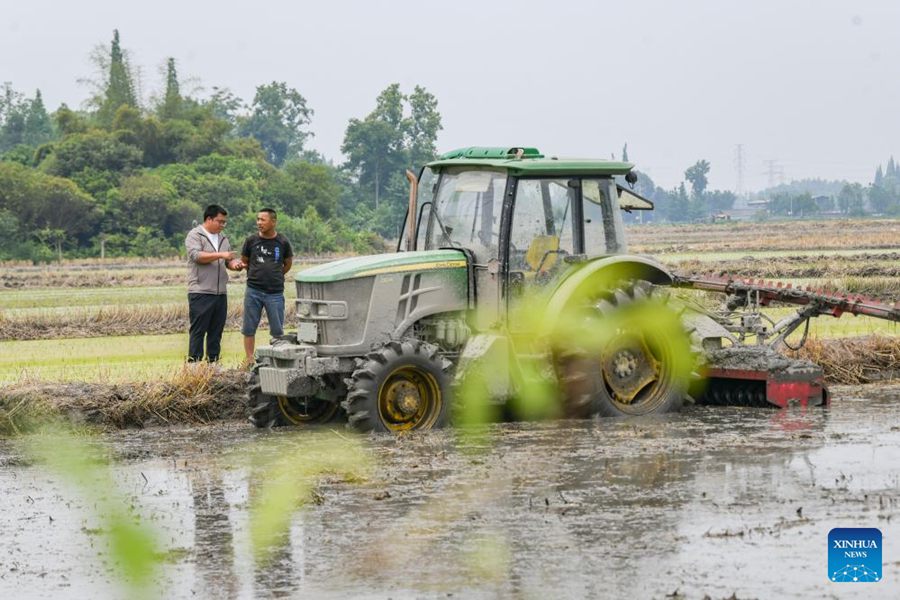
119, 88
309, 233
882, 200
43, 202
278, 118
69, 121
95, 149
373, 151
421, 127
171, 103
143, 199
23, 121
719, 200
384, 143
12, 118
696, 175
879, 176
38, 125
9, 234
677, 209
851, 200
53, 238
299, 185
796, 205
224, 105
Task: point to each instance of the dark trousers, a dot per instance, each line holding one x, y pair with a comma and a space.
208, 313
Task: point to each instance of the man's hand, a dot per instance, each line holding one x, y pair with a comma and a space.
235, 264
227, 255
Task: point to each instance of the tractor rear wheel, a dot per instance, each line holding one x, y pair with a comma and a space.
275, 411
402, 386
634, 372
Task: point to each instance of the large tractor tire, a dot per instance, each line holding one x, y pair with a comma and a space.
402, 386
276, 411
633, 373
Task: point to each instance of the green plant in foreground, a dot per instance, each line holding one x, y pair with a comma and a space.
288, 482
82, 466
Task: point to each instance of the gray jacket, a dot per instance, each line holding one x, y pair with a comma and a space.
209, 278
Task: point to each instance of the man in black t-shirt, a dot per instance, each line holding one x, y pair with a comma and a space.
267, 256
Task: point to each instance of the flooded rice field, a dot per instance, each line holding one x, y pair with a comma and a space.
718, 502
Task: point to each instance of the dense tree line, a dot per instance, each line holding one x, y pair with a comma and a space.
812, 198
128, 177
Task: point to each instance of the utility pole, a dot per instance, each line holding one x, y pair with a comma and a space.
739, 169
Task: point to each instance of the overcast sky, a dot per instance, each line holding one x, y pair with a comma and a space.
812, 85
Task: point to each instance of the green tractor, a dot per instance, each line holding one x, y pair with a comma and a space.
389, 338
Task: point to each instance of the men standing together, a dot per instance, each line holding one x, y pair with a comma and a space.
267, 255
209, 254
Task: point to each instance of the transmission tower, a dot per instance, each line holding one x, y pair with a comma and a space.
739, 169
774, 170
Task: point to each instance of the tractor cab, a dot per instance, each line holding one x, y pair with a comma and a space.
523, 219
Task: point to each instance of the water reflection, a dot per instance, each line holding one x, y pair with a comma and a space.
704, 502
213, 536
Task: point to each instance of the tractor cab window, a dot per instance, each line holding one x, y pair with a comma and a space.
428, 181
465, 212
602, 222
542, 228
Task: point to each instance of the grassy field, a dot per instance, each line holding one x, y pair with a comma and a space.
75, 307
21, 302
107, 359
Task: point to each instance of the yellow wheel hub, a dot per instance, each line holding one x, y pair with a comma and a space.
306, 411
629, 368
409, 398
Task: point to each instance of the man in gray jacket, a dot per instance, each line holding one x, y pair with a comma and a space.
209, 254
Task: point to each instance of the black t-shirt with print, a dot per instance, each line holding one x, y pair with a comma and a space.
266, 258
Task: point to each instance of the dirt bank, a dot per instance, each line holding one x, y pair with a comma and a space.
196, 394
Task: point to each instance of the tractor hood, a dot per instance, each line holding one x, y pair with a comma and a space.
394, 262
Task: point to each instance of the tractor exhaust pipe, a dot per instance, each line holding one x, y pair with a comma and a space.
413, 194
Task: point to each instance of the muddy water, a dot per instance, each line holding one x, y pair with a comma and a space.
712, 501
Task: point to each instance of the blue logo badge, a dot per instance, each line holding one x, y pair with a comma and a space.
277, 253
854, 555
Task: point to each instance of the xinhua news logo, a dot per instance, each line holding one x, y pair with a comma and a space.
854, 555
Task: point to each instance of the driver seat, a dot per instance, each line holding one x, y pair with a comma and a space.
542, 253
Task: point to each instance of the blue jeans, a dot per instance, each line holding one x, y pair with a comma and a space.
254, 301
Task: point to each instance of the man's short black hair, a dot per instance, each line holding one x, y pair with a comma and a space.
214, 210
271, 212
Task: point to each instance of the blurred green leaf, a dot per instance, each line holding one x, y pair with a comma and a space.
80, 463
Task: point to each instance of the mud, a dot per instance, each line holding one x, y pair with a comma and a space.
718, 502
808, 266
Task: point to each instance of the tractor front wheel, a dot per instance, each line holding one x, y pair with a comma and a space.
402, 386
274, 411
